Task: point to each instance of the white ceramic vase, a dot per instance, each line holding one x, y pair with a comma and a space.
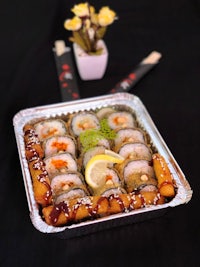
91, 67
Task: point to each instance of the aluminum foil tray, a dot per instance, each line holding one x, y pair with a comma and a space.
60, 110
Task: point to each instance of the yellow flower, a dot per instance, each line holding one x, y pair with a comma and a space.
73, 24
106, 16
94, 18
81, 10
92, 10
87, 24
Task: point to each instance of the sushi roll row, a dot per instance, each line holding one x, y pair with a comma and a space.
86, 128
131, 143
60, 151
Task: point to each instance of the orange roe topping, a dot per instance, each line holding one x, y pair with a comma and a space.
59, 163
60, 146
119, 120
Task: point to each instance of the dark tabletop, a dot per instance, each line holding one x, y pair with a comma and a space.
170, 92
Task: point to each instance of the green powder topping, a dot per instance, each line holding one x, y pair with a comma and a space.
106, 131
91, 137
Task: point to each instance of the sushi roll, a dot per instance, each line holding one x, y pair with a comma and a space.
74, 192
104, 112
86, 156
64, 181
91, 139
82, 121
124, 135
121, 119
58, 144
104, 142
108, 191
50, 127
60, 163
135, 151
109, 178
138, 174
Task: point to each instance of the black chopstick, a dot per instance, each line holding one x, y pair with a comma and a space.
66, 72
137, 73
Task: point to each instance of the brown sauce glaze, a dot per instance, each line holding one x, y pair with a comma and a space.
119, 201
40, 165
56, 211
92, 210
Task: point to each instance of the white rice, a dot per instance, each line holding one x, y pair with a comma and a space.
48, 128
129, 135
113, 191
104, 112
65, 181
72, 194
84, 121
57, 144
121, 119
138, 166
68, 160
135, 151
91, 153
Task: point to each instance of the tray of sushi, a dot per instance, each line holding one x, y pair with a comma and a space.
95, 163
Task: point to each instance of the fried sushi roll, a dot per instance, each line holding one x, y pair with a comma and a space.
82, 121
73, 192
108, 179
65, 181
41, 183
121, 119
134, 201
132, 135
58, 144
111, 189
86, 156
104, 112
60, 163
135, 151
40, 179
33, 148
50, 127
90, 207
137, 175
165, 180
85, 143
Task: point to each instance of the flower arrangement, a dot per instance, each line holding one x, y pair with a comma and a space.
88, 27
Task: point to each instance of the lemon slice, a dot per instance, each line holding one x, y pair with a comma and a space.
97, 166
114, 155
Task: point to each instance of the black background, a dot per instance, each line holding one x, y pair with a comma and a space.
170, 92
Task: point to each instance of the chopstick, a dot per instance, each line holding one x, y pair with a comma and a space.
66, 73
137, 73
67, 77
